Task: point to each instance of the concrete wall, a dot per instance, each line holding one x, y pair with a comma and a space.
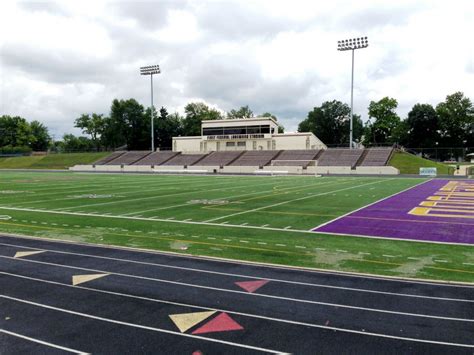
297, 141
377, 170
239, 169
187, 144
196, 169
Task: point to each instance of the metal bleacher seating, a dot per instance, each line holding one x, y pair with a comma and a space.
220, 158
340, 157
156, 158
256, 158
129, 157
109, 158
377, 156
296, 157
185, 159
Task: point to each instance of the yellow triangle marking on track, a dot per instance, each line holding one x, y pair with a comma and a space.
79, 279
184, 321
20, 254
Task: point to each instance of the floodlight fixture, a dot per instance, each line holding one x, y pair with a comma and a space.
150, 70
351, 45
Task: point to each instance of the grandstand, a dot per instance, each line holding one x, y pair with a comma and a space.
296, 157
376, 156
129, 157
242, 146
293, 161
220, 158
256, 158
340, 157
156, 158
109, 158
184, 159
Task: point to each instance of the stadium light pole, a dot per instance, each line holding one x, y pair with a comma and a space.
352, 45
150, 70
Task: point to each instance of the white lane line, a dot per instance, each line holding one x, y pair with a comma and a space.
311, 271
238, 313
468, 264
388, 256
293, 200
42, 342
133, 325
185, 284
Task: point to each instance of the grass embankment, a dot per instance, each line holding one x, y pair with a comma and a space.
411, 164
51, 161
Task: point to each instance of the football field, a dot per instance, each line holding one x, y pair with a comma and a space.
280, 220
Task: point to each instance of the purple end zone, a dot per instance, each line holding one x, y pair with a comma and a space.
390, 218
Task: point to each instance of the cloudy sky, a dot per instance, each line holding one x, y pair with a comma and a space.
61, 59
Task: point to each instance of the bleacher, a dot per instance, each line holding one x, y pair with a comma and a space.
129, 157
185, 159
296, 157
256, 158
340, 157
109, 158
376, 157
335, 157
156, 158
220, 158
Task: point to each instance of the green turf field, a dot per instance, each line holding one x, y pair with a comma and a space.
265, 219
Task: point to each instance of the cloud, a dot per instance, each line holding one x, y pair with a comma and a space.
69, 58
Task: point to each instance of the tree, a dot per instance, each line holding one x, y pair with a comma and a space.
42, 139
71, 143
128, 125
330, 123
281, 129
15, 132
384, 127
93, 125
243, 112
422, 127
166, 127
195, 113
456, 120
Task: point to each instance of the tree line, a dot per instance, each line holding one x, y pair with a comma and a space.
129, 124
449, 124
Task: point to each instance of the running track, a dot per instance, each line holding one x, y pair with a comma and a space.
279, 310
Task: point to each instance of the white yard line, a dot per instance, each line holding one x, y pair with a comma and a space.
293, 200
154, 219
34, 340
225, 197
317, 326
